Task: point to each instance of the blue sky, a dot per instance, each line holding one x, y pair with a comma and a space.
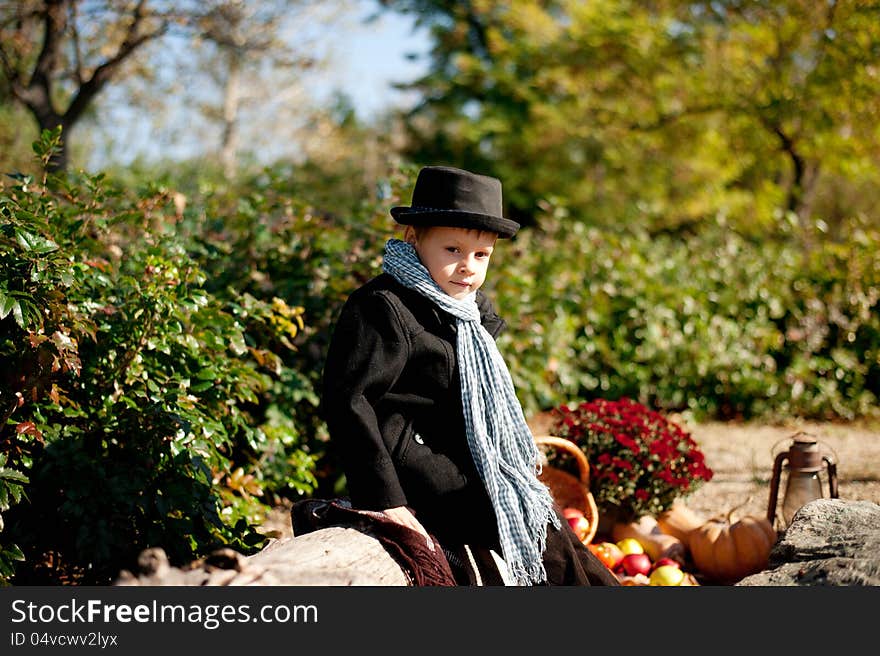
364, 61
370, 58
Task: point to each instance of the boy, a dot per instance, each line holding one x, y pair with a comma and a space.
420, 405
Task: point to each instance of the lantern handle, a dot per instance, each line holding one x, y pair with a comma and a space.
832, 476
774, 486
826, 457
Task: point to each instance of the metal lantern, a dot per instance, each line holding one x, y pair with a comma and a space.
802, 465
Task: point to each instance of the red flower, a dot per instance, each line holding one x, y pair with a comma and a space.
640, 461
620, 463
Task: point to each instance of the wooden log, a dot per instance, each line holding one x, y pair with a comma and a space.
336, 555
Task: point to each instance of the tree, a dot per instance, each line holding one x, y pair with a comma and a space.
243, 49
664, 113
58, 55
228, 56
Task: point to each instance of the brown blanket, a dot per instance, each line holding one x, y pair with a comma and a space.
409, 548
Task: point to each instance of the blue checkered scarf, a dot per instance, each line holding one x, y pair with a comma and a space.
499, 439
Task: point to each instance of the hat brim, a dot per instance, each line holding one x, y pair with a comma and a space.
427, 216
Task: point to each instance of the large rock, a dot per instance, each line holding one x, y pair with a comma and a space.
331, 556
831, 542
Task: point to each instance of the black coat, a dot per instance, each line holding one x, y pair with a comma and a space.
391, 398
392, 402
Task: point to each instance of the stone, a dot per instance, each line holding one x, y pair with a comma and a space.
336, 555
831, 542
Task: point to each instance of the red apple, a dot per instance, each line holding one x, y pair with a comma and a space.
571, 512
609, 553
660, 562
578, 522
636, 563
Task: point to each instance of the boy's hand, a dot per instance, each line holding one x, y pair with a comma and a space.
403, 516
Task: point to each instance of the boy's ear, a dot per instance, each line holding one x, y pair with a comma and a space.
409, 235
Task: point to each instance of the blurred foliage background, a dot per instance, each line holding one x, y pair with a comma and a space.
697, 183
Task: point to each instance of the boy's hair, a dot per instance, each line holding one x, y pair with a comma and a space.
421, 230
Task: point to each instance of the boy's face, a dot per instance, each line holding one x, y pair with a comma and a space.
456, 258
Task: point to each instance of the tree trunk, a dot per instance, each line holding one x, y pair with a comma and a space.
229, 147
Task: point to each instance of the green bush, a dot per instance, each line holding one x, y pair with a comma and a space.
137, 402
261, 240
709, 322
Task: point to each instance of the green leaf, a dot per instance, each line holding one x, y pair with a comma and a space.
11, 552
34, 243
236, 342
12, 475
19, 315
208, 373
7, 305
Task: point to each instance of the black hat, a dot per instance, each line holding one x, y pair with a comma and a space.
446, 196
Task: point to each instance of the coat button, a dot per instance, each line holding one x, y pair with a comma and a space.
418, 439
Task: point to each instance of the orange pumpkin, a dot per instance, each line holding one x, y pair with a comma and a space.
726, 552
680, 521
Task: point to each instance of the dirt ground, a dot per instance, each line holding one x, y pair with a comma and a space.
741, 456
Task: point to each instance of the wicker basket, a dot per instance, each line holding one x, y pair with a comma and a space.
570, 491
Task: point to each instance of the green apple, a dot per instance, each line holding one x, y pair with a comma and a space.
666, 575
